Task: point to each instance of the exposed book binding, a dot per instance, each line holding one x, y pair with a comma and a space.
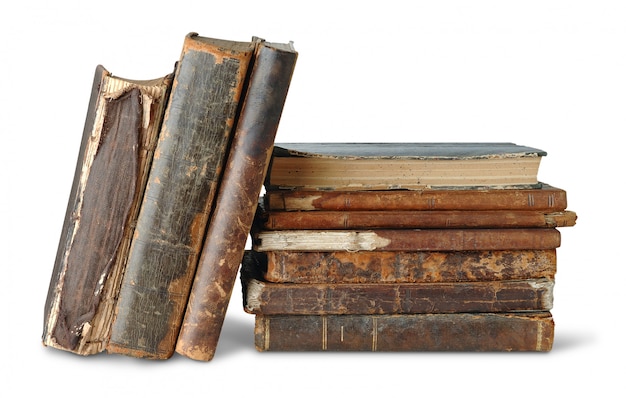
120, 134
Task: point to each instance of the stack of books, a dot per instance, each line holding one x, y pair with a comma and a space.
404, 247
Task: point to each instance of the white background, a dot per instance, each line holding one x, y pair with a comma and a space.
548, 74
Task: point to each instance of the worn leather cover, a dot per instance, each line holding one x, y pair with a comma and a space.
545, 198
188, 163
277, 220
532, 331
237, 200
453, 239
405, 267
116, 150
270, 298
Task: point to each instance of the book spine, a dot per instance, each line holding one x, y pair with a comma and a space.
236, 202
269, 298
116, 150
408, 239
423, 332
186, 170
545, 198
289, 220
406, 267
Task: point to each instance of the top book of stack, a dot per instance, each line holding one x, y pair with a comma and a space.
407, 166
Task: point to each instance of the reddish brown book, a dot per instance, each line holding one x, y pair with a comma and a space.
405, 267
544, 198
422, 332
407, 239
277, 220
270, 298
237, 199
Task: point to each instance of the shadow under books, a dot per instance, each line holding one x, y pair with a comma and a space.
237, 336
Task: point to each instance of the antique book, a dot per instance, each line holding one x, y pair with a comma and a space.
237, 200
271, 298
209, 81
119, 137
452, 239
531, 331
405, 267
543, 198
291, 220
403, 165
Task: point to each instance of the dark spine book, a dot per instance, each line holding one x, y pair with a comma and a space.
532, 331
188, 161
237, 200
267, 298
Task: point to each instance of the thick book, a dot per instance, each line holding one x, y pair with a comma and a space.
402, 165
405, 267
209, 82
451, 239
543, 198
119, 137
237, 200
270, 298
485, 332
292, 220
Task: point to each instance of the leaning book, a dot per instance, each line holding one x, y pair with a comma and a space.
120, 134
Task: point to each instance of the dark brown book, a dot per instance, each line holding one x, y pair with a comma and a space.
209, 81
544, 198
271, 298
406, 267
277, 220
419, 332
402, 165
120, 133
237, 200
407, 239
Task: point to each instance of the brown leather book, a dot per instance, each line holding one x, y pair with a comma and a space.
270, 298
237, 200
277, 220
407, 239
532, 331
402, 165
120, 133
405, 267
209, 83
544, 198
